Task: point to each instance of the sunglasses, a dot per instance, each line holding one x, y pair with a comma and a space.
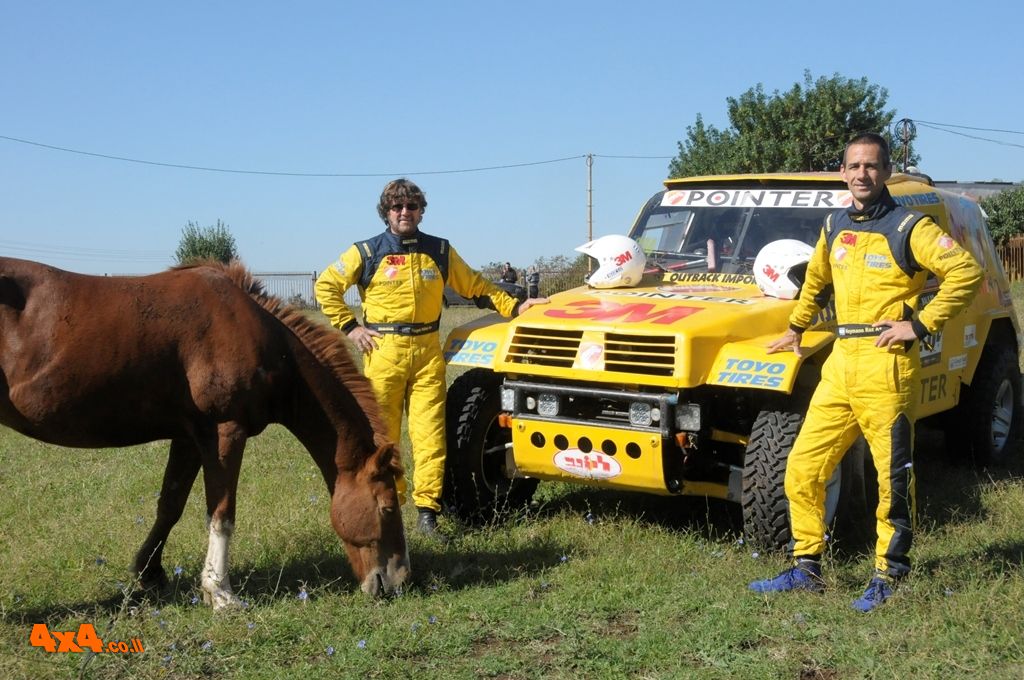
411, 207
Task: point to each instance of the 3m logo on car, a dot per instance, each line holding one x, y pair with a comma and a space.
591, 465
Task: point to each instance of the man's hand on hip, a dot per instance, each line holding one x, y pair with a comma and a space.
895, 331
363, 339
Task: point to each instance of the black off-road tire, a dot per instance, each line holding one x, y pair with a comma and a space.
477, 487
764, 504
765, 508
989, 412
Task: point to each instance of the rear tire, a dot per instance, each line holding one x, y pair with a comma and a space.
477, 485
990, 407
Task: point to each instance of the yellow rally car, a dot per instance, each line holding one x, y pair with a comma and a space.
666, 387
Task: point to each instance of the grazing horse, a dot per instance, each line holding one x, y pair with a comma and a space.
201, 356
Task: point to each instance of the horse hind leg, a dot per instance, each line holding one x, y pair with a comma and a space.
221, 465
183, 463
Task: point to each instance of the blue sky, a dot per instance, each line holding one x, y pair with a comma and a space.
404, 88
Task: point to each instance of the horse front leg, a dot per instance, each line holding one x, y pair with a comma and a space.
220, 475
183, 463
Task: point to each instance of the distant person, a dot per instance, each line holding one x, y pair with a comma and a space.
401, 274
532, 282
508, 274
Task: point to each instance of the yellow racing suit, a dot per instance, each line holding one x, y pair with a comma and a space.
401, 281
876, 263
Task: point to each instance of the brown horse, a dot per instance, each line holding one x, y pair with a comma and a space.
200, 356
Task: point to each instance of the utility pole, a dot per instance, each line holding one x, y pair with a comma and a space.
590, 207
590, 197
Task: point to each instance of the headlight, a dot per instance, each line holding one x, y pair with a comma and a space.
688, 417
641, 414
547, 405
508, 399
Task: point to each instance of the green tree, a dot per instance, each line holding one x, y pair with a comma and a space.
213, 242
1005, 213
804, 128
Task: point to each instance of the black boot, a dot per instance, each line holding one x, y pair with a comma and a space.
426, 523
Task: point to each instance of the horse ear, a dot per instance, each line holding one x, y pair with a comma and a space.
386, 459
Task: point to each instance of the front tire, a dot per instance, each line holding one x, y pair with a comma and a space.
764, 503
477, 485
765, 508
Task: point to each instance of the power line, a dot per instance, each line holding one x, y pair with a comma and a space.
98, 251
964, 134
667, 158
967, 127
83, 254
284, 174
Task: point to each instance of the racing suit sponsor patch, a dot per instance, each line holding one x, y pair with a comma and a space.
876, 261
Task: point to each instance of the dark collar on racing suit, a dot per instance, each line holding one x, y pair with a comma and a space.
883, 205
387, 243
885, 217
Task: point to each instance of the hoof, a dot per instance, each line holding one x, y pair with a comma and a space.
221, 599
153, 580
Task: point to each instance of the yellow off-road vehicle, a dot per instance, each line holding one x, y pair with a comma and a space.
667, 388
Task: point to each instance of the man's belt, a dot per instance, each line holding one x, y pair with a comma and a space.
405, 328
859, 330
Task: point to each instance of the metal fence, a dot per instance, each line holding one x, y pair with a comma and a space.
296, 288
293, 287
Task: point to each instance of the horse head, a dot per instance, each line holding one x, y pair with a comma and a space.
367, 516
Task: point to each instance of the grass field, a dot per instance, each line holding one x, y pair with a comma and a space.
588, 585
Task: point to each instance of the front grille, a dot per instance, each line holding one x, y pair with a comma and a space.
642, 354
623, 353
544, 347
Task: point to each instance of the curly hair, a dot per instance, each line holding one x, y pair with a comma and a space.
397, 191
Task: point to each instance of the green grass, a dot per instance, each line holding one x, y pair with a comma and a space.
589, 585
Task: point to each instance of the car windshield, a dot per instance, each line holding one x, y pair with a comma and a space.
682, 237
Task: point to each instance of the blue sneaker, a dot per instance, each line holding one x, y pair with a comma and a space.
880, 589
805, 575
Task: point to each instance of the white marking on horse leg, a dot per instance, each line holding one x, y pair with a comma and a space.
215, 582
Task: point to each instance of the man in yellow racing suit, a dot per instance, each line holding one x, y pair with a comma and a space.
401, 274
874, 257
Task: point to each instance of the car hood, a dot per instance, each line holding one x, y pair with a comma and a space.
669, 332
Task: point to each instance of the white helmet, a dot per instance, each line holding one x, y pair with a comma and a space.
620, 261
780, 267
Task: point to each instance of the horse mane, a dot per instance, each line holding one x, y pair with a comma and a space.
326, 344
